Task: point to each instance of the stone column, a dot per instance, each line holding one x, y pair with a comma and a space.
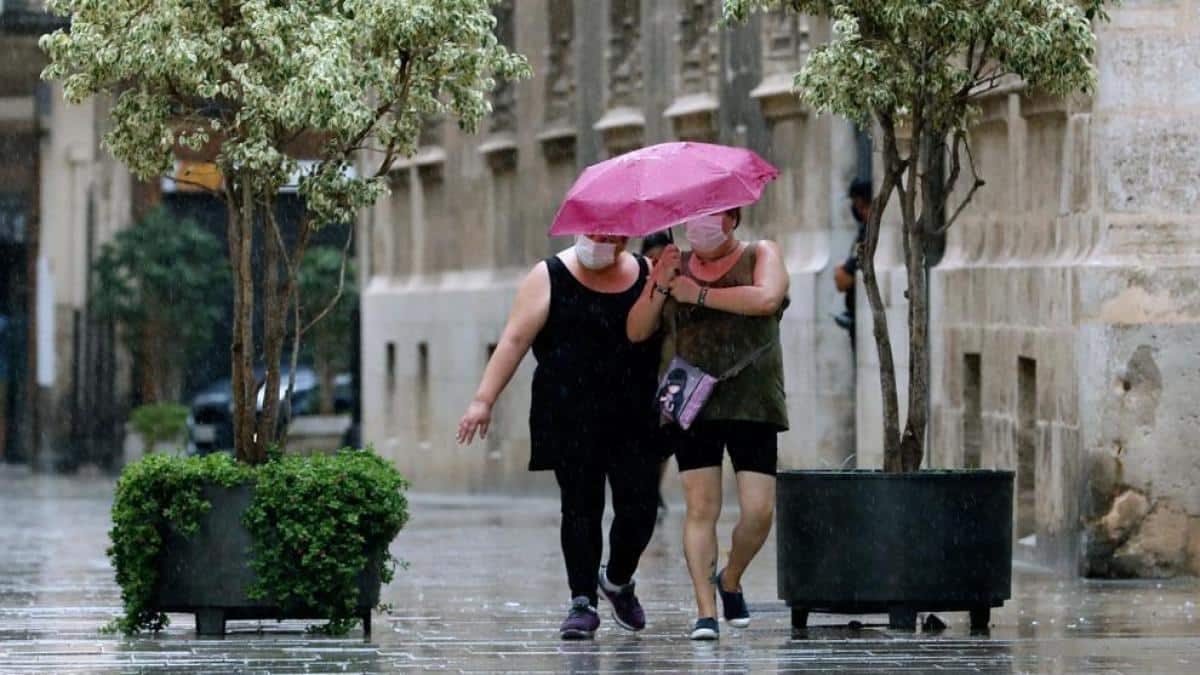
622, 127
693, 113
558, 137
1137, 304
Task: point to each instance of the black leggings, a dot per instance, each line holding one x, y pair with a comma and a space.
633, 475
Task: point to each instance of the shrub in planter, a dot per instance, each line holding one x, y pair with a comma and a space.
318, 98
315, 524
159, 422
915, 72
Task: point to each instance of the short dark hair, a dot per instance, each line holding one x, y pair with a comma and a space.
859, 189
736, 214
656, 240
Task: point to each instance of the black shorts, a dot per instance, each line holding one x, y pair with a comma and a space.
753, 446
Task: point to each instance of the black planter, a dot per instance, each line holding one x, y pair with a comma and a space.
208, 574
866, 542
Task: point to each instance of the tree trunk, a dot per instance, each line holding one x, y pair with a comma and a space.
147, 357
241, 240
912, 443
883, 342
325, 372
912, 451
274, 305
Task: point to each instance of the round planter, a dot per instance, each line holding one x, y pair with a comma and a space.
865, 542
208, 574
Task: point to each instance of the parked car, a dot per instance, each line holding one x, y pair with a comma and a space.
306, 395
210, 425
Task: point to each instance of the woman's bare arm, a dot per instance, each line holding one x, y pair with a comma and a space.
529, 313
763, 298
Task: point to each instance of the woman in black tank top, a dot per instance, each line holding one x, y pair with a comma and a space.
591, 415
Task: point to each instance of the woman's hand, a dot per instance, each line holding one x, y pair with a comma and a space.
477, 418
667, 267
685, 289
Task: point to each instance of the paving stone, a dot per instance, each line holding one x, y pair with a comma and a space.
485, 591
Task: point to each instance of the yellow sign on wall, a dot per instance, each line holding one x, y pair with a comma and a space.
193, 176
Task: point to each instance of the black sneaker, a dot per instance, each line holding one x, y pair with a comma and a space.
734, 604
705, 629
626, 610
581, 622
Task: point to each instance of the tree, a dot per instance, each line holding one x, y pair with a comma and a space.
919, 66
244, 81
159, 282
325, 285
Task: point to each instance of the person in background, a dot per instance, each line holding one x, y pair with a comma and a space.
843, 275
652, 247
591, 418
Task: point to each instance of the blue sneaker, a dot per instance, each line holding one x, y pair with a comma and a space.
734, 604
705, 629
581, 622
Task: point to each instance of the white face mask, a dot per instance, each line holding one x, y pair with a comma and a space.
593, 254
707, 233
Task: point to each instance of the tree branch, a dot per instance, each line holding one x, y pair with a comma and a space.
293, 297
975, 185
341, 282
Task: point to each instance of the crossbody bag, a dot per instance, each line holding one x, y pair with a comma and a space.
685, 388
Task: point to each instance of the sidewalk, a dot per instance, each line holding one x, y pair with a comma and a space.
486, 590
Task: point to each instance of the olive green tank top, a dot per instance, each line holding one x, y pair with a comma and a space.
714, 341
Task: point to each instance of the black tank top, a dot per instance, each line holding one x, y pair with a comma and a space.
591, 384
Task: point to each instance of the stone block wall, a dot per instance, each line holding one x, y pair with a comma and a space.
468, 215
1066, 308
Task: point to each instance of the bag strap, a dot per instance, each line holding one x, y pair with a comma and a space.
746, 361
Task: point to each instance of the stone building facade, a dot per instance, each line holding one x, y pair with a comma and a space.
468, 217
61, 197
1066, 313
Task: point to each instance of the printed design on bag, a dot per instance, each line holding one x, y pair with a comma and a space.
670, 396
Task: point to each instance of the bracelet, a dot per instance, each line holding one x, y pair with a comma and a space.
703, 295
662, 289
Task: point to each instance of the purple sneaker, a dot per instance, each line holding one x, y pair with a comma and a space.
626, 610
581, 622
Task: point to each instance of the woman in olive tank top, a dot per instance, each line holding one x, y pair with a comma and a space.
716, 306
590, 417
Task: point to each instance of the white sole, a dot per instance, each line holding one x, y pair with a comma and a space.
703, 634
738, 623
617, 620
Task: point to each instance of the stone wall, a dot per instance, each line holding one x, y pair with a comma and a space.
468, 216
1066, 309
76, 196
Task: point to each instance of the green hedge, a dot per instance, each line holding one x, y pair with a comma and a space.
313, 521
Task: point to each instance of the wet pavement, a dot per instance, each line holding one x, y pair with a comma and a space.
485, 591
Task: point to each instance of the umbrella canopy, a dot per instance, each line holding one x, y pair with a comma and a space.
651, 189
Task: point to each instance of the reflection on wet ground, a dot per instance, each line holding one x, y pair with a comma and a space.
485, 592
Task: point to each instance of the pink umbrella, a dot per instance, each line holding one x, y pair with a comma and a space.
651, 189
